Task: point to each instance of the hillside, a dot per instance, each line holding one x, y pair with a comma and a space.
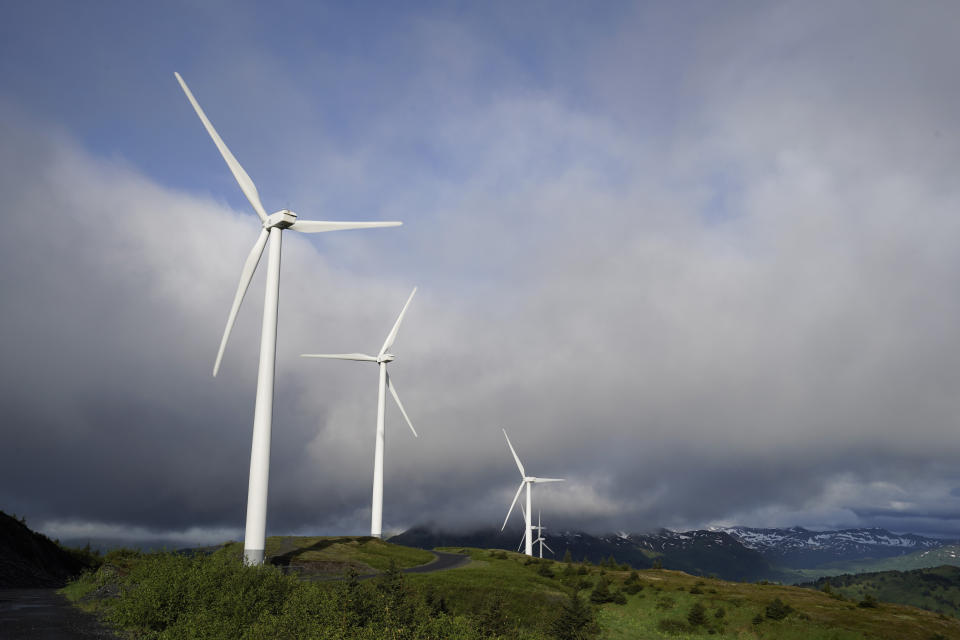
696, 552
498, 595
946, 555
933, 589
30, 559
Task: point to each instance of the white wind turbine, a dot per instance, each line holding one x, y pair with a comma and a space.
382, 358
527, 481
540, 538
272, 228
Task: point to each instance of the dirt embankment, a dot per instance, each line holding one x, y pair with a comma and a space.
30, 559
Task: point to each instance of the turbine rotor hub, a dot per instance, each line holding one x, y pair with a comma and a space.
282, 219
387, 357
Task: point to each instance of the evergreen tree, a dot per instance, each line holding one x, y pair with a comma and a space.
601, 592
568, 557
576, 621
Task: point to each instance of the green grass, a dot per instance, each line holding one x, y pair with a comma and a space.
529, 599
334, 556
669, 595
168, 596
815, 615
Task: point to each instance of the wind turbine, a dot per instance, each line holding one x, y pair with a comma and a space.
527, 481
382, 358
540, 538
272, 228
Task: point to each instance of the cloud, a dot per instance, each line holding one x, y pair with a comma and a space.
742, 307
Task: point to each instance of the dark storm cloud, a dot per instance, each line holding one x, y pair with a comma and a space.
738, 310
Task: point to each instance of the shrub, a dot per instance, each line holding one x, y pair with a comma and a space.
720, 613
673, 625
575, 620
697, 615
601, 592
778, 610
868, 602
618, 597
493, 620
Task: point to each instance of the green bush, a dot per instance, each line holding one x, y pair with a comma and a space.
673, 625
697, 616
575, 621
778, 610
170, 597
868, 602
601, 592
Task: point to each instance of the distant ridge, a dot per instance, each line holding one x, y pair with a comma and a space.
695, 552
800, 548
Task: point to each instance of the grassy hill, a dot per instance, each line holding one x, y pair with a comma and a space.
498, 595
934, 589
946, 555
324, 556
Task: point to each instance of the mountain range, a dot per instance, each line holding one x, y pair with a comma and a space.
799, 548
733, 553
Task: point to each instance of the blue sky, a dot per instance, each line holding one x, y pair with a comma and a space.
699, 259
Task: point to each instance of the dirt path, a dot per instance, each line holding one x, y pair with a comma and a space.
44, 614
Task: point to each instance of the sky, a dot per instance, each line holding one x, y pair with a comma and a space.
700, 259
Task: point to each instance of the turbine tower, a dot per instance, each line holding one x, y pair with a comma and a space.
272, 228
382, 358
527, 482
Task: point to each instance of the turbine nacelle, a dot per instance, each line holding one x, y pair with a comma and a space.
536, 479
383, 358
282, 219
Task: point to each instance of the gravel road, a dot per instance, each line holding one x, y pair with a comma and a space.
44, 614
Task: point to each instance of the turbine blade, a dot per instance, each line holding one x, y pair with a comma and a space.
396, 326
523, 539
535, 480
341, 356
393, 392
246, 184
515, 456
318, 226
519, 489
249, 267
543, 542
